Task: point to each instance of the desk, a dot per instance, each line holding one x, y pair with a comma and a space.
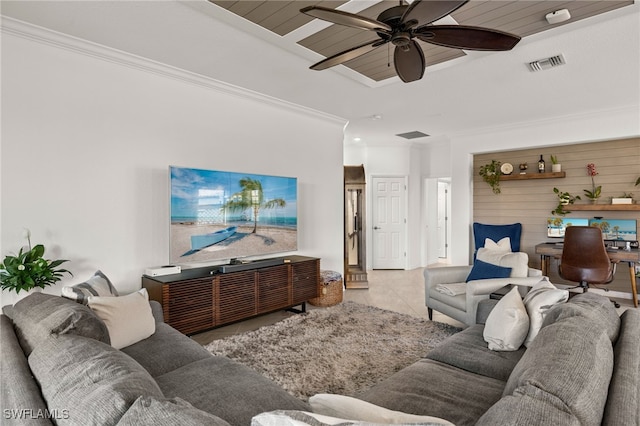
549, 250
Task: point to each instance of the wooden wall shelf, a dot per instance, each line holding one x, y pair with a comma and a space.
518, 176
602, 207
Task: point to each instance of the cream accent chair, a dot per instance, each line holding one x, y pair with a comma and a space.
463, 307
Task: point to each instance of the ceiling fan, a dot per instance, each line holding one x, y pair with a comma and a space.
401, 24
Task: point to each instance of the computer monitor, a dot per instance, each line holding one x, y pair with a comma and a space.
617, 229
556, 226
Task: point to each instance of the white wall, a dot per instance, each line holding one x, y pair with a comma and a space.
87, 138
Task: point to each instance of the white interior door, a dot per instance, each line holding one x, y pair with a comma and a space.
389, 222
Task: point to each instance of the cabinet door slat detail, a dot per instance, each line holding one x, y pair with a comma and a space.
273, 288
235, 296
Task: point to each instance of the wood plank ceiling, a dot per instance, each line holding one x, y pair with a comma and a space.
521, 17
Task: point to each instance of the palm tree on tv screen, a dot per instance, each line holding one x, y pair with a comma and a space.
251, 196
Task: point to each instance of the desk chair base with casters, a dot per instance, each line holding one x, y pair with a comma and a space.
584, 258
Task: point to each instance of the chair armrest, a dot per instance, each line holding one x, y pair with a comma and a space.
534, 272
488, 286
446, 275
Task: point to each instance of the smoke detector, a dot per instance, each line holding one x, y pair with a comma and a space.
546, 63
558, 16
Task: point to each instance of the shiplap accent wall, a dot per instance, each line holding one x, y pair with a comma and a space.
530, 202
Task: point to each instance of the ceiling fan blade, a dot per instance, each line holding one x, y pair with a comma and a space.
426, 12
346, 18
409, 62
466, 37
348, 55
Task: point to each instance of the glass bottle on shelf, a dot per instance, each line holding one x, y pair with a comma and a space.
541, 165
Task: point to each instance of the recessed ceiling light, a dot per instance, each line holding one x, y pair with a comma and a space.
357, 139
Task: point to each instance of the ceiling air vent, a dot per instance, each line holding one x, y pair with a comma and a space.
412, 135
545, 64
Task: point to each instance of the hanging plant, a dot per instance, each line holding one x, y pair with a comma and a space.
491, 174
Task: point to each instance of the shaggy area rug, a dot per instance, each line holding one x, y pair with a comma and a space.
343, 349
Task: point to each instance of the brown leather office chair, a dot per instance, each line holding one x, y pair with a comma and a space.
585, 259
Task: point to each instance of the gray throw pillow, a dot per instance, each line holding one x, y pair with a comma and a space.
87, 382
39, 315
97, 285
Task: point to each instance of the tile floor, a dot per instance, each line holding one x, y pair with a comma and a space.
395, 290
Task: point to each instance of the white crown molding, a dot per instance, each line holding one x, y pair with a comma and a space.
80, 46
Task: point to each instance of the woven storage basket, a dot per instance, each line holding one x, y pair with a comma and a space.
332, 289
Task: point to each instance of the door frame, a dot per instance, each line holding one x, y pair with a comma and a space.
370, 201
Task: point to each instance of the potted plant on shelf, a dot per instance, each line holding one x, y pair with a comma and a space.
564, 199
555, 166
626, 198
596, 191
491, 174
29, 269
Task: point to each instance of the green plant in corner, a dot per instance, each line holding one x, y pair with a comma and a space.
554, 159
29, 269
491, 174
564, 199
638, 181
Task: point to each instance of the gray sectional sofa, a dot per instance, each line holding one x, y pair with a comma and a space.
75, 377
583, 368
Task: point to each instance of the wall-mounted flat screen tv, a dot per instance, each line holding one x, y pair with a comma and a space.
219, 215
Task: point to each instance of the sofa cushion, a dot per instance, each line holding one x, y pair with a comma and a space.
97, 285
542, 297
508, 323
567, 367
19, 392
148, 410
227, 389
95, 383
591, 307
468, 351
128, 318
624, 391
39, 315
166, 350
430, 388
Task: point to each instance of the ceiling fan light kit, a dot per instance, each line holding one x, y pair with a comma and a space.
399, 25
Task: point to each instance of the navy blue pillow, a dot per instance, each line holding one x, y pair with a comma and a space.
483, 270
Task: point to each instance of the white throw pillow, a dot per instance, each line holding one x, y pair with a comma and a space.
518, 261
508, 323
346, 407
128, 318
504, 245
542, 297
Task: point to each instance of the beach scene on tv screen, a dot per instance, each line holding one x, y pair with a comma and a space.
217, 215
